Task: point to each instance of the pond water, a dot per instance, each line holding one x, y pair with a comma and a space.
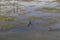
44, 16
40, 12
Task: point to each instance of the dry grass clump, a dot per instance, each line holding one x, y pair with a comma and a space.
57, 1
8, 0
53, 22
6, 26
55, 29
7, 12
38, 9
22, 13
2, 4
35, 18
6, 19
45, 24
58, 18
27, 0
22, 24
45, 9
49, 23
49, 9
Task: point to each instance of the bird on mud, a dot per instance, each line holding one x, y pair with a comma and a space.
29, 24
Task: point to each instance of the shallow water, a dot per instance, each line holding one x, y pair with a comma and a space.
43, 14
23, 10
